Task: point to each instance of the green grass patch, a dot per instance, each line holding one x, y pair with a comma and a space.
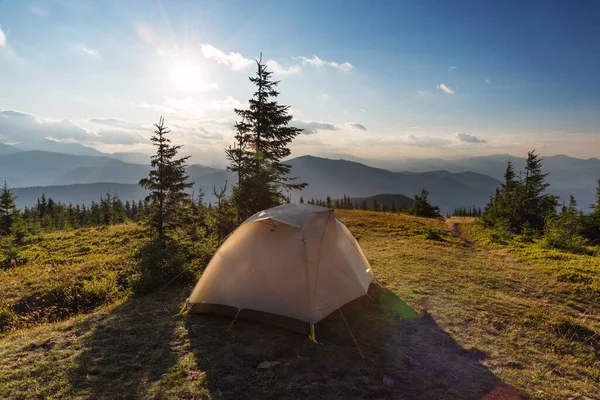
463, 317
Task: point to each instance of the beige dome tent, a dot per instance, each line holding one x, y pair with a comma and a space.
290, 265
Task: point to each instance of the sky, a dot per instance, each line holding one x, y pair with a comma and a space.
385, 80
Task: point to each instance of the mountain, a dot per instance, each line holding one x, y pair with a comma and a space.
78, 194
37, 168
64, 177
566, 175
339, 177
7, 149
42, 168
131, 157
456, 185
385, 199
59, 147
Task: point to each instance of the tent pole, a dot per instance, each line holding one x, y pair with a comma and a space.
355, 342
234, 318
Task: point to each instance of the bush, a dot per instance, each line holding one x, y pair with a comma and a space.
7, 317
562, 233
433, 234
162, 261
556, 238
10, 252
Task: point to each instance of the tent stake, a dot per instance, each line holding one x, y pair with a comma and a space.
234, 318
355, 342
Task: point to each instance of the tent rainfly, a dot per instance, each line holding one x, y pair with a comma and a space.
290, 265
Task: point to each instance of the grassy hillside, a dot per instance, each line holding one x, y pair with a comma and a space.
459, 316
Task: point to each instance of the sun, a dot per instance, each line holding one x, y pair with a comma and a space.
185, 75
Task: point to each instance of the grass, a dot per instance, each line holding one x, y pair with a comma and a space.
460, 316
69, 272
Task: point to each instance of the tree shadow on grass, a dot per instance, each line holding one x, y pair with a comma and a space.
406, 357
127, 349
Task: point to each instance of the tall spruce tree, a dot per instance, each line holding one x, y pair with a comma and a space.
8, 210
166, 181
261, 143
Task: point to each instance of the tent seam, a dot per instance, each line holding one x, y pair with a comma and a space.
319, 260
357, 252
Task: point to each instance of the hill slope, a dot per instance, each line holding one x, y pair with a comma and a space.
454, 320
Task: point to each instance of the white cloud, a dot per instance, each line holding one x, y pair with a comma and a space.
2, 38
487, 80
452, 68
463, 137
89, 51
317, 62
190, 107
235, 61
353, 126
446, 89
422, 93
311, 127
362, 110
279, 69
405, 141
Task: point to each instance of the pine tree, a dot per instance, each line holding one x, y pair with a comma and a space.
376, 206
421, 206
8, 210
261, 143
167, 182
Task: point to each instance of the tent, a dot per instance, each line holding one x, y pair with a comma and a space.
290, 265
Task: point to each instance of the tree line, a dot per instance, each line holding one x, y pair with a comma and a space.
522, 205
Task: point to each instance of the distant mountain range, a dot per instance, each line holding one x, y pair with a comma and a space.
72, 149
566, 175
81, 178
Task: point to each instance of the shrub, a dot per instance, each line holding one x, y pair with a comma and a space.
162, 261
7, 317
562, 232
433, 234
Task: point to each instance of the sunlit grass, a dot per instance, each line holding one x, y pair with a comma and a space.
490, 317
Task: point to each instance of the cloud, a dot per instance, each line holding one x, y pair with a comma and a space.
2, 38
362, 110
116, 136
487, 80
278, 69
317, 62
445, 89
190, 107
463, 137
235, 61
117, 123
355, 126
427, 141
15, 126
452, 68
422, 93
89, 51
405, 141
19, 127
311, 127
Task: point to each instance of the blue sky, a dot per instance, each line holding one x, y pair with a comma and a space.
372, 79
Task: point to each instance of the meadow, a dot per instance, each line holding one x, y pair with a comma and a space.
458, 312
